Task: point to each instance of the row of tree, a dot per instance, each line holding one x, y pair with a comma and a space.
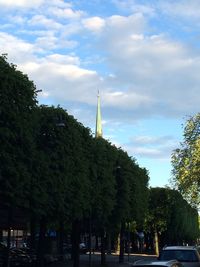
170, 219
53, 168
62, 177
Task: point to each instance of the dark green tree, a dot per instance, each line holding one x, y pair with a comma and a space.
48, 187
103, 165
131, 198
17, 104
60, 183
170, 217
53, 167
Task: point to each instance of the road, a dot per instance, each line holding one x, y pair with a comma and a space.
111, 260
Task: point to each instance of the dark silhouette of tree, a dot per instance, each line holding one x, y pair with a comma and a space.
17, 104
171, 218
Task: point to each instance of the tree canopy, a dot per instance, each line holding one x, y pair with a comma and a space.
186, 162
51, 163
171, 217
17, 104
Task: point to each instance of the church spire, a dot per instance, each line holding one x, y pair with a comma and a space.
98, 132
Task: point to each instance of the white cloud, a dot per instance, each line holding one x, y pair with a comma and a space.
152, 66
49, 41
17, 49
182, 8
151, 146
66, 13
147, 152
61, 79
94, 24
59, 3
137, 37
21, 3
18, 19
146, 73
125, 100
43, 21
64, 59
152, 140
135, 6
131, 24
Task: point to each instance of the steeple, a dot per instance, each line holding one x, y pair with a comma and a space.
98, 132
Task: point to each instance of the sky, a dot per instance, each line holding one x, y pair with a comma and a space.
142, 55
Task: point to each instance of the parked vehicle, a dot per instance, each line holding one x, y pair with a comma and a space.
82, 248
31, 253
17, 257
2, 254
157, 263
188, 255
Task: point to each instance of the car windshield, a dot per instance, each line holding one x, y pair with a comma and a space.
180, 255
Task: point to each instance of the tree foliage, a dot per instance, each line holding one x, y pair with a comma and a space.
52, 160
186, 162
172, 217
17, 104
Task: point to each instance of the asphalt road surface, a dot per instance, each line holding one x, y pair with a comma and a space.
111, 260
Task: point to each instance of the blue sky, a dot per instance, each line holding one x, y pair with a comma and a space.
143, 56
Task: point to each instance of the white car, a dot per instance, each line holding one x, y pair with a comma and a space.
188, 255
157, 263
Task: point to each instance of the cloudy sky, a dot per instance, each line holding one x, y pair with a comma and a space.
143, 56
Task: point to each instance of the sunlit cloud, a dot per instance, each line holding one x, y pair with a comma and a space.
66, 13
94, 24
42, 21
21, 3
125, 100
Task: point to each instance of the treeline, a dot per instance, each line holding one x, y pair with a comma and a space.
53, 168
170, 219
64, 179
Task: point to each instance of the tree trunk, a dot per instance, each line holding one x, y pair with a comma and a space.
117, 244
41, 243
1, 235
103, 254
8, 248
96, 243
33, 232
156, 243
121, 253
75, 243
109, 244
10, 217
90, 242
61, 239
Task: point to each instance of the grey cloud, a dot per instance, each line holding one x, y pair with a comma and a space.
152, 140
182, 8
150, 151
135, 6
